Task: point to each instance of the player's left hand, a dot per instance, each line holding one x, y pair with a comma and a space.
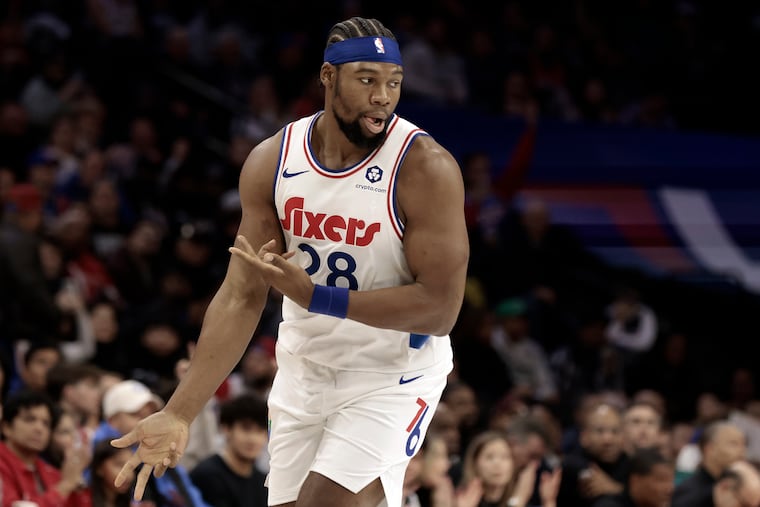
161, 439
287, 277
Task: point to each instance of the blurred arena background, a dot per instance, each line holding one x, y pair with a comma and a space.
610, 150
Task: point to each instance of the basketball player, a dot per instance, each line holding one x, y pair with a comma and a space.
356, 216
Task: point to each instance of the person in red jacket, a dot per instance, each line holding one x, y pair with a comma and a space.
28, 421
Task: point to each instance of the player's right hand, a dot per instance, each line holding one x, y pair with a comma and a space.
288, 278
161, 439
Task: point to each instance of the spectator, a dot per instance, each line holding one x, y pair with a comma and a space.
111, 217
72, 230
742, 388
74, 326
434, 70
586, 365
444, 424
490, 478
52, 89
650, 482
721, 445
110, 350
526, 358
257, 368
37, 359
28, 419
263, 116
528, 439
26, 305
76, 390
64, 437
106, 464
230, 478
681, 434
427, 482
460, 399
600, 467
123, 402
476, 361
135, 265
642, 424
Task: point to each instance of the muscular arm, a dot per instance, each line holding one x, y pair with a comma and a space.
235, 310
430, 195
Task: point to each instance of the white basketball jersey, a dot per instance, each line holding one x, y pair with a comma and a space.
345, 228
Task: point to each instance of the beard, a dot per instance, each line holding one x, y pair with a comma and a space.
353, 132
353, 129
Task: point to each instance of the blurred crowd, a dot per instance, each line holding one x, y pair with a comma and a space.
123, 127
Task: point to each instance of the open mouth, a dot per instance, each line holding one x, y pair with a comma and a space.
374, 124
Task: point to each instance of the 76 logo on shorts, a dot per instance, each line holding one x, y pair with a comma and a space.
415, 433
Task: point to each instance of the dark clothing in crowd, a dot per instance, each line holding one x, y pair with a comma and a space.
696, 491
222, 487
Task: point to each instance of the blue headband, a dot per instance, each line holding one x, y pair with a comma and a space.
363, 49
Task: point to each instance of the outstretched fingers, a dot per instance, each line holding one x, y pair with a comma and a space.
127, 470
160, 469
142, 481
125, 440
169, 461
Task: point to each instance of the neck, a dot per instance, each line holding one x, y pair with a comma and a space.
330, 145
493, 493
238, 465
27, 457
712, 469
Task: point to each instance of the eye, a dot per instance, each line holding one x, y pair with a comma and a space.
365, 80
394, 84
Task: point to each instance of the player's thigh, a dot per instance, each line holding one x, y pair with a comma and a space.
318, 491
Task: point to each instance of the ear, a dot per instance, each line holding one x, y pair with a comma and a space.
326, 74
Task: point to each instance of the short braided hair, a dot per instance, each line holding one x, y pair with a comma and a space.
357, 27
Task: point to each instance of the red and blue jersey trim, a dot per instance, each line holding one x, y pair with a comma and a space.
398, 224
339, 173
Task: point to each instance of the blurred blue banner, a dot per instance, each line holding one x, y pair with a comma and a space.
666, 202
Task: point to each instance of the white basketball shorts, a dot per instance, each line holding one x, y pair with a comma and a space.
352, 427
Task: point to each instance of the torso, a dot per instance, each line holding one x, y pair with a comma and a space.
347, 230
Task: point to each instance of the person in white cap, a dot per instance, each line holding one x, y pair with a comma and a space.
124, 404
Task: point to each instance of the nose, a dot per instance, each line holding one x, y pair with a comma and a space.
380, 96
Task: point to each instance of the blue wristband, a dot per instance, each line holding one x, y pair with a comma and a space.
331, 301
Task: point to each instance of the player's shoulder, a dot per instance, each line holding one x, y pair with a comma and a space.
427, 155
263, 158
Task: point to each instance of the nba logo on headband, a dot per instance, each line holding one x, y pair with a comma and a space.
363, 49
379, 45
